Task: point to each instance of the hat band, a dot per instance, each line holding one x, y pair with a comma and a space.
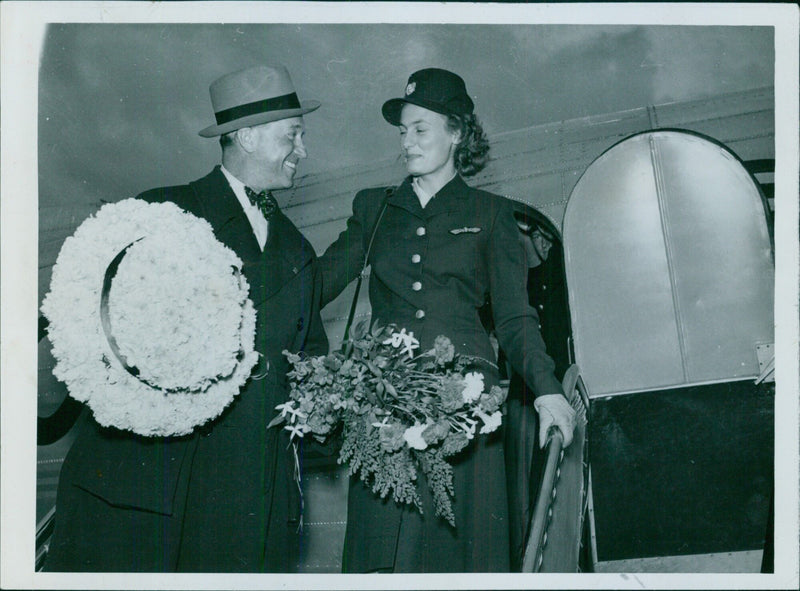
278, 103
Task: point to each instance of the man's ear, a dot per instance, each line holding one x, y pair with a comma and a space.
246, 138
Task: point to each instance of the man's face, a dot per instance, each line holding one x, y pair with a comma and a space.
541, 243
278, 148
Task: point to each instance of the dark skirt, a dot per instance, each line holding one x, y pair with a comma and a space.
524, 465
383, 536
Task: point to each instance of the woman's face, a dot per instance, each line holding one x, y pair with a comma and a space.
427, 144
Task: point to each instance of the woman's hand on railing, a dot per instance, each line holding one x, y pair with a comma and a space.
555, 411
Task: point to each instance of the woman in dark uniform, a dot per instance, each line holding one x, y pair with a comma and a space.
440, 249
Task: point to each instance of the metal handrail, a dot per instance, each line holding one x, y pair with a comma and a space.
567, 515
44, 531
543, 513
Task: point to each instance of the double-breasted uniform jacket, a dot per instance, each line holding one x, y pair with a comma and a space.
431, 271
219, 499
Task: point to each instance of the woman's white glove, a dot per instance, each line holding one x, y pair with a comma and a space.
554, 409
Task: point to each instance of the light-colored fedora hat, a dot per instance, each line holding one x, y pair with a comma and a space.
254, 96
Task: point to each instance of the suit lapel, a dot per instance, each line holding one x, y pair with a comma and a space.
285, 242
282, 258
225, 214
285, 253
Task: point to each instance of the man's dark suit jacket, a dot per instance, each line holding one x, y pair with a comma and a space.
218, 500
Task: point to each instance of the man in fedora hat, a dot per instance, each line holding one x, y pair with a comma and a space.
224, 498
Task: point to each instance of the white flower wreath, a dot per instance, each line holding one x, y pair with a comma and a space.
149, 319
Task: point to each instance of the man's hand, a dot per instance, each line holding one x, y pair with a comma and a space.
554, 409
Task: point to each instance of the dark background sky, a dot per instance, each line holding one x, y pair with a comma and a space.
120, 104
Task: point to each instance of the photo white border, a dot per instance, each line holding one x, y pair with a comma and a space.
23, 25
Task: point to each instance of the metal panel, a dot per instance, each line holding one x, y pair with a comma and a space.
615, 252
668, 265
720, 252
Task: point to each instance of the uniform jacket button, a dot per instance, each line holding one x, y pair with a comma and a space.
415, 258
541, 306
416, 286
420, 314
421, 231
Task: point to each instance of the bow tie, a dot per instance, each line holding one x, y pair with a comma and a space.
264, 201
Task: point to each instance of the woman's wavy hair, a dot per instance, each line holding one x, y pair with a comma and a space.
472, 153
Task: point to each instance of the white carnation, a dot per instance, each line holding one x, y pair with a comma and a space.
473, 387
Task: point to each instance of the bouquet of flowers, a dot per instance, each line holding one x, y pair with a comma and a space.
400, 412
150, 319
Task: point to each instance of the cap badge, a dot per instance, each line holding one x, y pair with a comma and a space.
410, 88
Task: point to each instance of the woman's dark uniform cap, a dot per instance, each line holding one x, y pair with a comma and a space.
432, 88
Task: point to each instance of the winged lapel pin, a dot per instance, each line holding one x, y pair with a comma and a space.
465, 230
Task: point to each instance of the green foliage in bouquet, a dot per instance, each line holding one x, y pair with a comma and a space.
400, 412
